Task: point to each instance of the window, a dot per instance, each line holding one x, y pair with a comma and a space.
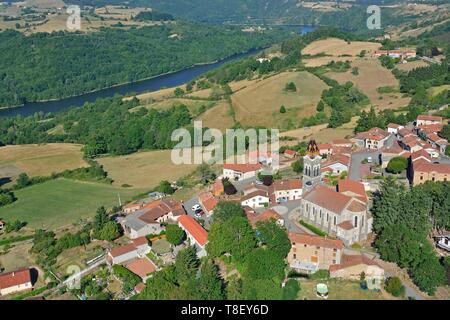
295, 256
328, 218
355, 221
334, 220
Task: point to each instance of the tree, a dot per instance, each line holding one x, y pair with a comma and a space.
22, 181
233, 235
290, 86
100, 219
355, 71
175, 235
225, 210
234, 288
209, 285
261, 289
429, 273
205, 173
6, 197
271, 234
397, 165
165, 187
395, 287
178, 92
291, 289
186, 265
282, 109
109, 231
297, 165
264, 263
15, 225
320, 106
228, 187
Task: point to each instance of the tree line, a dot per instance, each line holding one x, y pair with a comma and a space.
405, 221
55, 65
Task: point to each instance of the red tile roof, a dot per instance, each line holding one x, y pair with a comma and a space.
257, 193
287, 184
373, 134
420, 154
346, 225
356, 206
290, 152
435, 138
325, 146
348, 260
139, 287
246, 167
160, 208
350, 186
337, 158
142, 267
341, 142
15, 278
393, 126
315, 240
328, 198
118, 251
266, 215
194, 229
140, 241
423, 166
425, 117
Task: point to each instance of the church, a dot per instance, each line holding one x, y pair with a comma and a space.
340, 211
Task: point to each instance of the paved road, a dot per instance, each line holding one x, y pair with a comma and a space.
357, 158
409, 292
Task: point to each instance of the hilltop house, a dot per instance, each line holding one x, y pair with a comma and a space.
15, 281
198, 237
148, 219
338, 213
309, 253
238, 172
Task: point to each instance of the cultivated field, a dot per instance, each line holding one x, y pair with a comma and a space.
61, 202
259, 103
372, 75
412, 65
194, 106
144, 169
320, 133
336, 48
436, 90
39, 160
218, 117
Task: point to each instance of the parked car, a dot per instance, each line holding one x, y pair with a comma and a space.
195, 207
369, 159
199, 213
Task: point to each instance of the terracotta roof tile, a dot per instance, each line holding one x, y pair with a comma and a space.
315, 240
242, 167
194, 229
425, 117
350, 186
15, 278
142, 267
348, 260
287, 184
328, 198
256, 193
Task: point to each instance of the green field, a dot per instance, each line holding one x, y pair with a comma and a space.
57, 203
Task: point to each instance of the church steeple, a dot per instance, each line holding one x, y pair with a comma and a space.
311, 166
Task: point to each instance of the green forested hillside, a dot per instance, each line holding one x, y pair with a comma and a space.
51, 66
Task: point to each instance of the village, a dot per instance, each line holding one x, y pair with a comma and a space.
325, 210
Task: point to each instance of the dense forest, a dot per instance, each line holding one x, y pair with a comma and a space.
106, 126
51, 66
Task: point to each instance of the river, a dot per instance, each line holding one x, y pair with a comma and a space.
153, 84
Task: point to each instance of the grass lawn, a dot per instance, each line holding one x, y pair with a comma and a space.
372, 75
144, 169
337, 290
161, 246
61, 202
39, 160
259, 103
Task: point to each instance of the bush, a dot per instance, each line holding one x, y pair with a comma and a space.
282, 109
291, 289
321, 274
395, 287
291, 87
175, 235
397, 165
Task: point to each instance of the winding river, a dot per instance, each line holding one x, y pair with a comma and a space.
153, 84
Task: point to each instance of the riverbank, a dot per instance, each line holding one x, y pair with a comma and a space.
229, 58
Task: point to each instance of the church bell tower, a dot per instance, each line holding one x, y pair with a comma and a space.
311, 167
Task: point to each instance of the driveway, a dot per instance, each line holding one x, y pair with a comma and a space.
358, 157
